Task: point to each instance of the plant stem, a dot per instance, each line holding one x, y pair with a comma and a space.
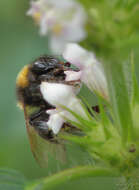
74, 174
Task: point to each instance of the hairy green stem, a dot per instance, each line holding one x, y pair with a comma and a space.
73, 174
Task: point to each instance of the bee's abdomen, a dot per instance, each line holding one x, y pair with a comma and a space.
31, 96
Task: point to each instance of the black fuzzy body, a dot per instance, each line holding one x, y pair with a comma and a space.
45, 68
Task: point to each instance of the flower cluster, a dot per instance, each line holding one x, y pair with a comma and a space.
62, 94
111, 136
63, 21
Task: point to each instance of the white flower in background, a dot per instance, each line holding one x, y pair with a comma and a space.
91, 70
61, 94
63, 20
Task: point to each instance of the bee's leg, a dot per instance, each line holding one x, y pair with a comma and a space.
34, 116
37, 115
42, 128
39, 122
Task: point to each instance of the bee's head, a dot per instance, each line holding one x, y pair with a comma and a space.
44, 64
49, 68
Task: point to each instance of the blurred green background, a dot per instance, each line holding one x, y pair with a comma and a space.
20, 43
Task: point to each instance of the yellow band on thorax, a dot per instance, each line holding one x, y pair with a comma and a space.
22, 78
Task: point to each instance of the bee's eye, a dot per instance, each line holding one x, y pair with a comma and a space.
44, 64
41, 67
38, 65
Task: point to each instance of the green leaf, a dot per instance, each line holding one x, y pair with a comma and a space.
127, 69
86, 123
88, 108
119, 98
37, 185
135, 94
70, 175
11, 180
104, 119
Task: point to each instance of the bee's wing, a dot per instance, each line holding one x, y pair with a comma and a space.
42, 149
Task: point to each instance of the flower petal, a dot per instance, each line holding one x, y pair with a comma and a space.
56, 93
57, 44
63, 4
72, 75
64, 20
55, 122
75, 55
92, 71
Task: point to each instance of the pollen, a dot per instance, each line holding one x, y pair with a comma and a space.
57, 29
37, 17
22, 78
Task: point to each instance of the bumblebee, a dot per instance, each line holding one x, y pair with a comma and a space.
30, 100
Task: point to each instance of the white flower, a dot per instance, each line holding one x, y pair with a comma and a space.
64, 20
56, 93
72, 75
60, 94
55, 121
92, 71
